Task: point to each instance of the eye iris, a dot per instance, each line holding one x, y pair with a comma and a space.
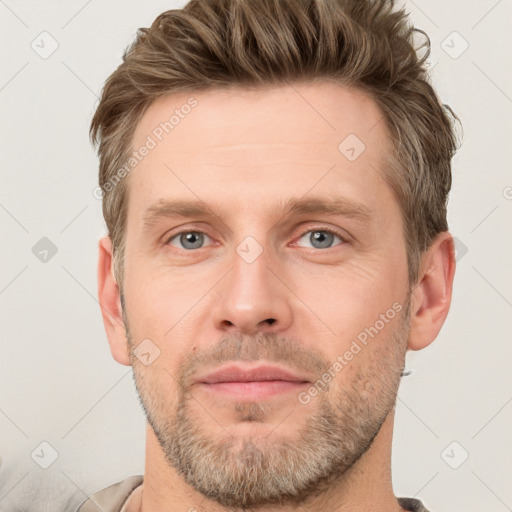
192, 237
323, 237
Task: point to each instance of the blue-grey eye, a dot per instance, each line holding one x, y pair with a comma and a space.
189, 240
320, 238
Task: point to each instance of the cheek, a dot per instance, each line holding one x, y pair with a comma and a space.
350, 296
362, 306
159, 298
369, 365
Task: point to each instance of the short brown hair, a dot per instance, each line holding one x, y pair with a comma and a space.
363, 44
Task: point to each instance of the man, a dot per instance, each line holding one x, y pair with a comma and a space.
275, 176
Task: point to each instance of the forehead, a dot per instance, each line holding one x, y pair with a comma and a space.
325, 110
260, 145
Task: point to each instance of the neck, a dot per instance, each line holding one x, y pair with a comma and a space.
366, 486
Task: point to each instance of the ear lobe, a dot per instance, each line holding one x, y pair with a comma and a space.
432, 295
110, 303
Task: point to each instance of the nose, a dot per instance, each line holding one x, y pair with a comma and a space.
253, 297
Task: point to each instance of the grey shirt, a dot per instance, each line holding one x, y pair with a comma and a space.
113, 498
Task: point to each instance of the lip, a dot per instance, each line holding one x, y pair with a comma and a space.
253, 383
240, 373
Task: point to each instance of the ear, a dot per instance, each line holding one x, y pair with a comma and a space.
432, 294
110, 302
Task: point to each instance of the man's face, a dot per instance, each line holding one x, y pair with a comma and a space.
323, 295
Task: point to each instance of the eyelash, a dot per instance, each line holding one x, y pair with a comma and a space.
322, 229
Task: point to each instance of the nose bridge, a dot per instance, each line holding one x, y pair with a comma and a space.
250, 274
251, 298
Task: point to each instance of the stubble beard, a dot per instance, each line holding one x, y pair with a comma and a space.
246, 472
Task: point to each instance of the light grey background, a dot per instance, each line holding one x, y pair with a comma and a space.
58, 381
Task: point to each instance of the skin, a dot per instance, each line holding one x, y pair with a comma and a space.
243, 153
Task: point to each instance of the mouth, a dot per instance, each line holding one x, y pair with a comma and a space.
252, 382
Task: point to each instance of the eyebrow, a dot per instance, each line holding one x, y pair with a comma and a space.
165, 209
